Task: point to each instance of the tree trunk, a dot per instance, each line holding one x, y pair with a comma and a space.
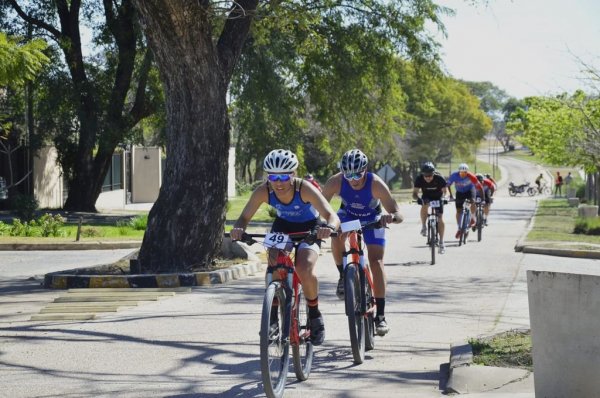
185, 226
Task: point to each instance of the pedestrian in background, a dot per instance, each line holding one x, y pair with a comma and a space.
558, 185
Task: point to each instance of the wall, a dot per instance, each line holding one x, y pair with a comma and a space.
231, 192
563, 311
47, 179
147, 174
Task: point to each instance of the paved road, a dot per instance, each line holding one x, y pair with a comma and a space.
205, 344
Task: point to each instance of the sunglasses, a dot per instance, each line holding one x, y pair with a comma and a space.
427, 175
279, 177
354, 176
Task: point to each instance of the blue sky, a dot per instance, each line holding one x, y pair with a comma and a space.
525, 47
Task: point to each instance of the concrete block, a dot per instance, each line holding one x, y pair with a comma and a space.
573, 202
475, 379
563, 311
587, 211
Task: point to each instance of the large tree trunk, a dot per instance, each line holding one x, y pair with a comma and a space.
185, 226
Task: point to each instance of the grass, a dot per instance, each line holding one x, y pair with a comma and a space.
509, 349
555, 223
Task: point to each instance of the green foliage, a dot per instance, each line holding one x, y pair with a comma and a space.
509, 349
92, 232
20, 62
321, 80
24, 206
587, 226
139, 223
51, 225
563, 130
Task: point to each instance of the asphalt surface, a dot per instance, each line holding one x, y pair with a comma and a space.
205, 343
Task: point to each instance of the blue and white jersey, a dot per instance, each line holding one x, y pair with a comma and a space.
297, 211
359, 203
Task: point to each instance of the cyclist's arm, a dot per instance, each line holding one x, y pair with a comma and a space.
415, 193
258, 197
311, 195
381, 191
332, 186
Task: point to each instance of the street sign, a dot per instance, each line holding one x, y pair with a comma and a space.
386, 173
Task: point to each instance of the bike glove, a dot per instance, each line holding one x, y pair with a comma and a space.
420, 201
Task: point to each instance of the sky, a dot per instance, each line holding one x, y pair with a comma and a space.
525, 47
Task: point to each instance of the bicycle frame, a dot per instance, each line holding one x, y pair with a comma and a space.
479, 214
360, 305
465, 220
433, 228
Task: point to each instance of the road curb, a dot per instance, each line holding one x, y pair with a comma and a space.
62, 280
558, 252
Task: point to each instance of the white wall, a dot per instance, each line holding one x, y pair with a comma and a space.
47, 178
146, 174
231, 174
564, 311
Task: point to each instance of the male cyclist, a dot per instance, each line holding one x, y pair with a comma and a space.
485, 195
299, 205
466, 184
363, 194
433, 187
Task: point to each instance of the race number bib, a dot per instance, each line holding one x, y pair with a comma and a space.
276, 240
478, 200
434, 204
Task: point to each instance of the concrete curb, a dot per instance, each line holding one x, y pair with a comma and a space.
463, 378
64, 280
557, 252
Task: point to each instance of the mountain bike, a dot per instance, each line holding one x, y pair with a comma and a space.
479, 214
465, 221
284, 320
359, 291
433, 237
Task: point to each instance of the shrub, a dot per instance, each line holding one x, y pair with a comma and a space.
24, 206
139, 223
50, 225
91, 232
587, 226
123, 227
22, 228
4, 228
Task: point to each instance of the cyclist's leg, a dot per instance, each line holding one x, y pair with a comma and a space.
424, 210
459, 202
441, 225
375, 241
306, 259
337, 249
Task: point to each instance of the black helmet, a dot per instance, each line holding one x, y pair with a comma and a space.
427, 168
487, 175
479, 177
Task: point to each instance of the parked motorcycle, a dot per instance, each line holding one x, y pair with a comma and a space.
513, 189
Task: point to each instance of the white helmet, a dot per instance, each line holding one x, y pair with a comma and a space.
280, 161
463, 167
354, 161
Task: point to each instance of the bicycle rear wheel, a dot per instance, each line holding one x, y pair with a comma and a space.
479, 224
274, 344
369, 320
355, 318
303, 351
465, 227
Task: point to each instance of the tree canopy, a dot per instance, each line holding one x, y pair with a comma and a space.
562, 130
20, 62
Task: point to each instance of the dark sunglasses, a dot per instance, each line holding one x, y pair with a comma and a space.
427, 175
354, 176
279, 177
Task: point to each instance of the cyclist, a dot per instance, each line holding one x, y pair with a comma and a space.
363, 194
489, 177
299, 206
538, 182
466, 184
433, 187
485, 195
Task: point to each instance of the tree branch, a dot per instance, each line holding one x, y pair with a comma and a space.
34, 21
234, 34
140, 108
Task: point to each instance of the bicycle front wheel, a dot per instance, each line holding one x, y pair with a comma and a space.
369, 320
355, 318
303, 351
274, 344
432, 240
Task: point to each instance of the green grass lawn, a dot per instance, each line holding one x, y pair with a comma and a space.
555, 221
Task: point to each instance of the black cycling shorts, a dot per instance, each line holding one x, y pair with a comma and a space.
461, 197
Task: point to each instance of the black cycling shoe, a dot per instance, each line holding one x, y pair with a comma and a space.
317, 330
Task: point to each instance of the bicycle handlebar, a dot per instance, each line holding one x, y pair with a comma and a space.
307, 236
